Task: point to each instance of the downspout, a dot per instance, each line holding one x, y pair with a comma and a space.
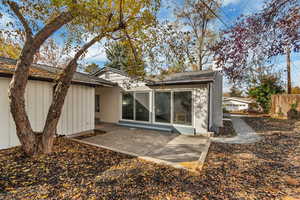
209, 107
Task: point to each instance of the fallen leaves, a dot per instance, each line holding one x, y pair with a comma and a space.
269, 169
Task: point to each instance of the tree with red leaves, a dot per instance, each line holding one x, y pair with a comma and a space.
274, 31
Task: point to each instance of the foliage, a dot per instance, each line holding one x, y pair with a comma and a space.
85, 23
9, 49
262, 93
235, 92
91, 68
197, 16
52, 54
260, 36
296, 90
120, 56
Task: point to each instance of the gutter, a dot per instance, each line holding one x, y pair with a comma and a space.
51, 80
184, 82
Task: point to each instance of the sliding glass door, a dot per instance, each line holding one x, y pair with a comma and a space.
163, 107
136, 106
127, 106
173, 107
182, 105
142, 105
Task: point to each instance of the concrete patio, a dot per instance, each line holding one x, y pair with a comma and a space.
179, 151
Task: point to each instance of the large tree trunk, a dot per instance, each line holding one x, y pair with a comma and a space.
289, 81
59, 96
17, 101
29, 140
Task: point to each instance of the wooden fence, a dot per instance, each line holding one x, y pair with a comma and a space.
281, 104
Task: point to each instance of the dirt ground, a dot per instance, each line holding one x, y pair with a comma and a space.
269, 169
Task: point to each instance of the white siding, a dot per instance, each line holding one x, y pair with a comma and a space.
38, 98
78, 111
77, 116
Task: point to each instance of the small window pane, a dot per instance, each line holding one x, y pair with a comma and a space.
142, 106
97, 103
127, 106
183, 108
163, 107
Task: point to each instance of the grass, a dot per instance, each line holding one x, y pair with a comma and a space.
269, 169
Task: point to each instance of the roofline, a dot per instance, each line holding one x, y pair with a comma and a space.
183, 82
240, 100
104, 69
51, 80
40, 66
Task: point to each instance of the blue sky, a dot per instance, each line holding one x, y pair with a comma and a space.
229, 12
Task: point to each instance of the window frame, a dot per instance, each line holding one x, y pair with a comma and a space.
134, 106
172, 106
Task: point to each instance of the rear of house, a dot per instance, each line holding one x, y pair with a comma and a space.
78, 112
188, 103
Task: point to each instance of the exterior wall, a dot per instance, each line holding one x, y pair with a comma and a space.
110, 104
216, 119
111, 108
232, 105
77, 115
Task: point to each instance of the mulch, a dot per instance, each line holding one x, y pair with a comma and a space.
227, 130
264, 124
269, 169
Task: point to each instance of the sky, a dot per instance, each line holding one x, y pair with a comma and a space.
228, 13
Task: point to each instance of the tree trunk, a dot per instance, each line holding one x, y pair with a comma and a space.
59, 96
29, 140
17, 100
55, 109
289, 81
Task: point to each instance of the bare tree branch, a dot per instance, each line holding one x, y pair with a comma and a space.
52, 26
16, 9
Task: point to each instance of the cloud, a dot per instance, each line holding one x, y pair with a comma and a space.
96, 53
227, 2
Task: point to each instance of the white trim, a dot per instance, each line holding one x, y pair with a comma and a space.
172, 107
134, 106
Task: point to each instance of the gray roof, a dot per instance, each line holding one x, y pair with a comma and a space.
45, 72
193, 77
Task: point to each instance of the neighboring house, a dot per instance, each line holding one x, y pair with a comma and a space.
187, 103
235, 104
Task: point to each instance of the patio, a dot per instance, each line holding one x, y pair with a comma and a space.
179, 151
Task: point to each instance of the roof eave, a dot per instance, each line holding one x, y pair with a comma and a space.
186, 82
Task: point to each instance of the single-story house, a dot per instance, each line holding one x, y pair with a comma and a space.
236, 104
187, 103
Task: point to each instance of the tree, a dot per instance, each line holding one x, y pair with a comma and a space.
196, 16
91, 68
235, 92
117, 55
9, 49
50, 53
272, 32
296, 90
262, 93
39, 20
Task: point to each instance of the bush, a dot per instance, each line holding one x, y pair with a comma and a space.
269, 85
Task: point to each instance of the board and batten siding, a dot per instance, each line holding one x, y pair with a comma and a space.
77, 115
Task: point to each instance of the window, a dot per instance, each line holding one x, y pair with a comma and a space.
182, 107
142, 106
127, 106
97, 103
163, 107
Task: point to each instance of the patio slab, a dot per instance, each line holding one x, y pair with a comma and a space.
179, 151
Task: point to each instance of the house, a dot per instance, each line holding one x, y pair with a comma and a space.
236, 104
186, 103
